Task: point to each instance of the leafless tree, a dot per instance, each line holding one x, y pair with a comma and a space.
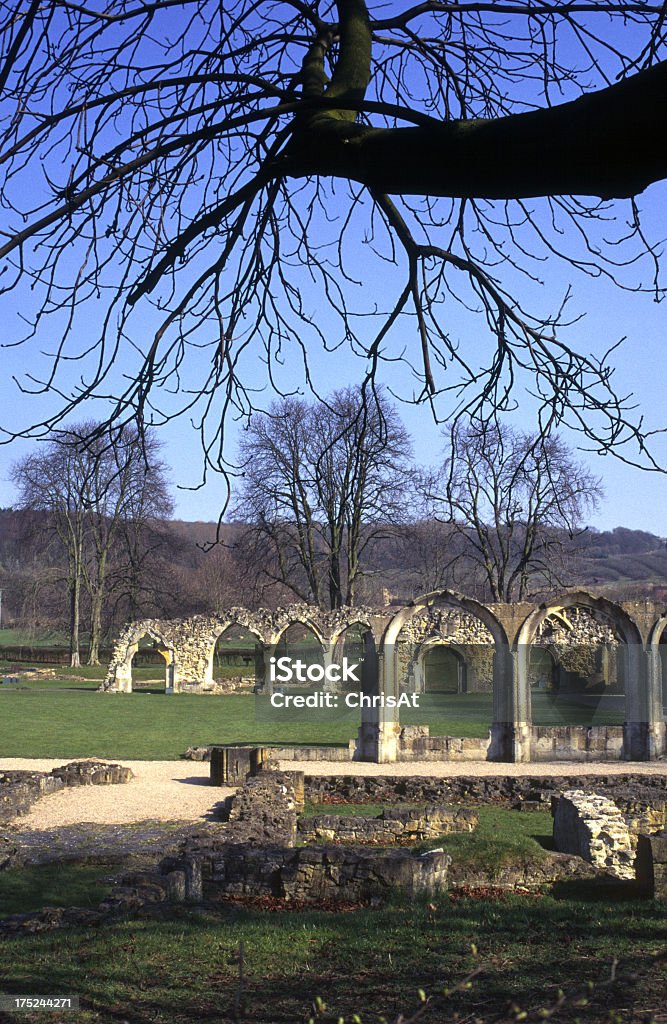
514, 499
187, 175
322, 482
96, 488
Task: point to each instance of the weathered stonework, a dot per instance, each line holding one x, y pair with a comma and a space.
598, 648
446, 626
519, 791
328, 873
592, 826
230, 765
396, 825
265, 809
651, 865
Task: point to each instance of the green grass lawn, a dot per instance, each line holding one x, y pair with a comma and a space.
33, 638
52, 885
67, 717
184, 968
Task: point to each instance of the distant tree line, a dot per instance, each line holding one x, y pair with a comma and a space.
330, 508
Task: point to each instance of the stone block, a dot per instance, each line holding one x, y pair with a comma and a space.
230, 765
651, 865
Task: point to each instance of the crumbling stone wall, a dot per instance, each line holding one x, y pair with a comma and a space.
605, 831
451, 627
584, 644
613, 648
189, 643
592, 826
392, 825
531, 791
575, 635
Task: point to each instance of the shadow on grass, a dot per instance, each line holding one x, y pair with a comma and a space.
601, 890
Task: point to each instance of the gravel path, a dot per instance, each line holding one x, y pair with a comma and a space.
160, 791
179, 790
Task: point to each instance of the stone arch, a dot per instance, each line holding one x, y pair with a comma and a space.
308, 622
119, 676
657, 682
308, 626
386, 722
341, 633
623, 641
559, 604
239, 621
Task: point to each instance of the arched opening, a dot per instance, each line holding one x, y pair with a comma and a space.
577, 669
299, 660
446, 654
543, 670
238, 659
352, 644
444, 670
302, 706
662, 656
151, 665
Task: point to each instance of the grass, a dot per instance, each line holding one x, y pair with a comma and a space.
32, 638
52, 885
67, 717
184, 968
502, 838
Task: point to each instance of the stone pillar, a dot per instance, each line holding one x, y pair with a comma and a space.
511, 729
328, 659
377, 739
657, 730
644, 727
123, 678
193, 880
169, 672
268, 652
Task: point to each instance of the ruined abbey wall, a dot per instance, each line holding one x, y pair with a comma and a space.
613, 648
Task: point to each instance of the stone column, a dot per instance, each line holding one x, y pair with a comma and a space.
511, 729
268, 652
170, 673
377, 739
328, 659
644, 729
123, 678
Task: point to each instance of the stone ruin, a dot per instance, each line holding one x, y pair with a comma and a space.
20, 789
608, 649
259, 855
606, 832
261, 851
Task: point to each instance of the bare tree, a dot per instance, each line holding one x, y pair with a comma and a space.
96, 488
241, 166
515, 500
322, 482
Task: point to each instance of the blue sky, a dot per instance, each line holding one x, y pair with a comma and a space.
634, 498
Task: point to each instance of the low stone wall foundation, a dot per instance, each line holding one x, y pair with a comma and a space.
395, 825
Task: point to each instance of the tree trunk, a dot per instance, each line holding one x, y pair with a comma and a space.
95, 627
75, 594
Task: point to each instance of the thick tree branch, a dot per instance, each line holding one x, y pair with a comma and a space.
607, 144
